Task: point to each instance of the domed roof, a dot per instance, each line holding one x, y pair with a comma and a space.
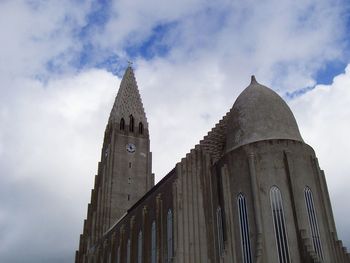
259, 114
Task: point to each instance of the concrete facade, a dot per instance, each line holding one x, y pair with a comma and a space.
250, 191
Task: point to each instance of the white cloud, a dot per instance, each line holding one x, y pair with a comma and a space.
34, 32
50, 139
283, 42
323, 116
51, 134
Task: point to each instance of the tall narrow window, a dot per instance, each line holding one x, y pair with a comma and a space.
279, 225
140, 128
169, 236
313, 222
154, 243
128, 252
122, 124
131, 123
220, 230
118, 255
244, 229
139, 248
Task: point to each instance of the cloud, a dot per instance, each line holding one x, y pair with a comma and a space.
39, 36
323, 116
50, 141
192, 59
284, 43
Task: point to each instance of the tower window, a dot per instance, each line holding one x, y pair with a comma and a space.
139, 248
313, 222
169, 236
140, 128
244, 229
122, 124
153, 244
220, 230
279, 225
128, 252
131, 123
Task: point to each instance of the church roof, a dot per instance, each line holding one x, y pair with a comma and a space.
259, 114
128, 101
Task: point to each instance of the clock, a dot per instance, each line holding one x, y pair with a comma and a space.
130, 147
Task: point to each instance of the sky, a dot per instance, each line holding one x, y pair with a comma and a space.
61, 64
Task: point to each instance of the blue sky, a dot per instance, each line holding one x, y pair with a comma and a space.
61, 64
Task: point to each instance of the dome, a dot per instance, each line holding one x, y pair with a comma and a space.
259, 114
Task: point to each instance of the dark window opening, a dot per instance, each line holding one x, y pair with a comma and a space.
169, 237
140, 128
279, 225
244, 229
153, 243
313, 222
139, 248
220, 231
131, 123
129, 165
128, 197
122, 124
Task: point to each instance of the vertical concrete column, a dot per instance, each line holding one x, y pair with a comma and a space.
257, 209
229, 218
113, 246
199, 204
327, 211
190, 221
196, 205
93, 234
200, 226
185, 219
104, 254
179, 226
122, 244
207, 175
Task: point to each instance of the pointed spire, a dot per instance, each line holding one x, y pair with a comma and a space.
128, 101
253, 80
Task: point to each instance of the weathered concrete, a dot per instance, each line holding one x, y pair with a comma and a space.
254, 149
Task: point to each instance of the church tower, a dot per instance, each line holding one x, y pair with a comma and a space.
251, 191
125, 170
127, 147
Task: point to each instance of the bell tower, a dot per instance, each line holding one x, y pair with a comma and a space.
125, 170
127, 146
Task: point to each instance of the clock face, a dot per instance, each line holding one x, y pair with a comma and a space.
130, 147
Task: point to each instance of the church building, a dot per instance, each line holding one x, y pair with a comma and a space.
251, 191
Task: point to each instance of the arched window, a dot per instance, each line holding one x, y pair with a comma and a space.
169, 236
279, 225
220, 230
139, 248
122, 124
140, 128
131, 123
153, 243
313, 222
244, 229
128, 252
